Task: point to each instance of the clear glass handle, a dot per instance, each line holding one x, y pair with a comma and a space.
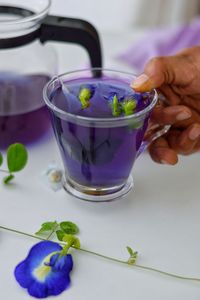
154, 131
161, 130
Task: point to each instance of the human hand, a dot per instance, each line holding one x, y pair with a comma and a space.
178, 79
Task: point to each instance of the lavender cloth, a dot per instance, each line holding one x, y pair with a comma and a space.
161, 42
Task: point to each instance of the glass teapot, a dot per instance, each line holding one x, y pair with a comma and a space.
27, 64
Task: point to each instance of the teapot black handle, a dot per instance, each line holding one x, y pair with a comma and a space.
76, 31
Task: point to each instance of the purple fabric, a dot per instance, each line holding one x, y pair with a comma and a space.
159, 42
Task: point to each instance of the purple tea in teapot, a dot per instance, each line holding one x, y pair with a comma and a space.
26, 63
23, 116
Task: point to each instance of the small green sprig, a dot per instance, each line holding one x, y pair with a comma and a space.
69, 240
116, 109
85, 95
64, 231
133, 256
128, 106
17, 158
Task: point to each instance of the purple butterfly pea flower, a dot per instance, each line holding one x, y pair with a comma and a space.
45, 272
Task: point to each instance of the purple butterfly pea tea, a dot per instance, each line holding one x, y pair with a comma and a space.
96, 156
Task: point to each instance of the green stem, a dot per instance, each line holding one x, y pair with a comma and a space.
140, 266
107, 257
67, 246
103, 256
22, 233
167, 273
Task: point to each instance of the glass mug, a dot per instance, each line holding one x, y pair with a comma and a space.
27, 64
98, 150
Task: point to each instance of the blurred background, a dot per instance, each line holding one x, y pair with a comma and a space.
123, 24
121, 15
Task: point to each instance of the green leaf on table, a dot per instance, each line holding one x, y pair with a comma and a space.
1, 159
133, 255
69, 227
130, 250
8, 178
17, 157
46, 227
60, 234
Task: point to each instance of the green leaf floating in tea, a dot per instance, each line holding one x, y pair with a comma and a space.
85, 94
128, 106
116, 109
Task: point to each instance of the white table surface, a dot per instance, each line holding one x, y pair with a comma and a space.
160, 219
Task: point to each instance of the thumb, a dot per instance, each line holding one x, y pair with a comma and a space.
176, 70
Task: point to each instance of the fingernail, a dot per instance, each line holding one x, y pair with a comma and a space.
167, 156
194, 133
140, 81
164, 162
183, 116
